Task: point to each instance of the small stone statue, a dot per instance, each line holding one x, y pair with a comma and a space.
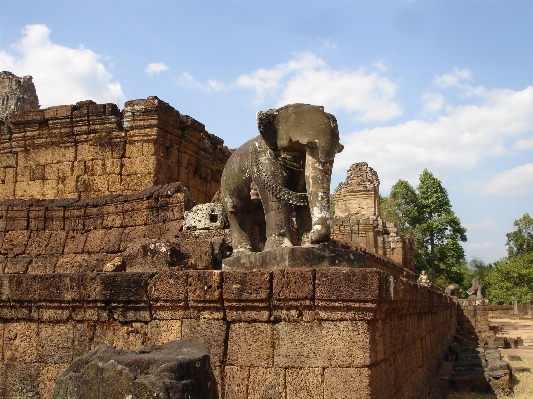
424, 279
452, 290
477, 285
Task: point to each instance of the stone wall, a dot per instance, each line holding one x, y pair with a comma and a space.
474, 314
89, 150
295, 333
507, 311
376, 236
69, 235
16, 94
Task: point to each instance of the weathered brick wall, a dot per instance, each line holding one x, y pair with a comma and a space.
474, 314
66, 236
295, 333
89, 150
376, 236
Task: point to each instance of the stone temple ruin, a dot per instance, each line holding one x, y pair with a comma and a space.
112, 233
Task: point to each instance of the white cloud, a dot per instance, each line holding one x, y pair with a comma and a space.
433, 102
452, 79
459, 140
523, 145
187, 80
481, 225
308, 79
155, 68
514, 181
62, 75
380, 66
479, 246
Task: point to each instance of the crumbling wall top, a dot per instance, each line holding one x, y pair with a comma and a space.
360, 175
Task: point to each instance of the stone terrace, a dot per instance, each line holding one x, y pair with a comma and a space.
89, 150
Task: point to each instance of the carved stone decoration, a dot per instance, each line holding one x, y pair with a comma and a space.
175, 370
205, 217
286, 170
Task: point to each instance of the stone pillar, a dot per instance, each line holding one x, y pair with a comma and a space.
528, 309
515, 307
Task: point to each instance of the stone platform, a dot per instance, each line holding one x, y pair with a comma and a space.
318, 256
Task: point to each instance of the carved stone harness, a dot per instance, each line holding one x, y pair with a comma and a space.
277, 190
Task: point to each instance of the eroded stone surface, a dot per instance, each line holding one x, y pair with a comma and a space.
175, 370
208, 216
16, 94
295, 257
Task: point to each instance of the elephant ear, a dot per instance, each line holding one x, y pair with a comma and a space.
267, 127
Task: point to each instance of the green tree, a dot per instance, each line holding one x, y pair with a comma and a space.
520, 241
477, 267
510, 277
426, 214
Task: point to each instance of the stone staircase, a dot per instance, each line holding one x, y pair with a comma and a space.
477, 363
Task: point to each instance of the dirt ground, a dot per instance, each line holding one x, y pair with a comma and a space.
517, 357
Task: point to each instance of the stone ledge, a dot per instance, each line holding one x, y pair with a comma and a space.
319, 256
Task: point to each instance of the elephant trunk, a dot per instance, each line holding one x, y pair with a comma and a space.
318, 179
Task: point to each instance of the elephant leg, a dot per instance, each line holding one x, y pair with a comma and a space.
241, 227
277, 220
304, 224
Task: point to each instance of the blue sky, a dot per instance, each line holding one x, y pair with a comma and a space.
442, 85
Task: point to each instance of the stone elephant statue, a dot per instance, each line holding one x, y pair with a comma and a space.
284, 172
452, 290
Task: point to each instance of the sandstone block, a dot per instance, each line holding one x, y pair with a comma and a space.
54, 343
56, 243
346, 383
75, 242
210, 332
266, 383
18, 265
322, 344
163, 331
342, 284
15, 243
47, 378
304, 383
250, 344
122, 286
20, 345
21, 379
237, 382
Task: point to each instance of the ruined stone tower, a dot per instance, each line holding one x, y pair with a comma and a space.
16, 94
357, 220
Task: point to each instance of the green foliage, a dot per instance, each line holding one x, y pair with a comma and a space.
510, 277
477, 267
426, 214
520, 241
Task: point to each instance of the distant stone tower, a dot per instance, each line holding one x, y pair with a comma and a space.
358, 223
359, 194
16, 94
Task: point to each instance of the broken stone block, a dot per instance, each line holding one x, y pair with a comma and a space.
175, 370
205, 217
